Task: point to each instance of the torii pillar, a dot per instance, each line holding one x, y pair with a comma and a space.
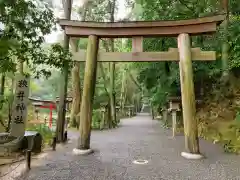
188, 99
83, 146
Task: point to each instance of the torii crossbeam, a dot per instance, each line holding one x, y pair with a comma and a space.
141, 28
171, 55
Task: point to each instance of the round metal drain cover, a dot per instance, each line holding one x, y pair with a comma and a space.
140, 161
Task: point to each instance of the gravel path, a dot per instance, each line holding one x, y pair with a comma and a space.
137, 138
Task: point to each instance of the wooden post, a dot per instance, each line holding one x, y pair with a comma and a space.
137, 44
165, 116
129, 112
188, 96
173, 108
28, 159
88, 93
54, 143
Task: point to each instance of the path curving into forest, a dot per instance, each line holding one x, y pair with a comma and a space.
138, 138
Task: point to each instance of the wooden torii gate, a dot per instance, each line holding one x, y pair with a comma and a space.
182, 29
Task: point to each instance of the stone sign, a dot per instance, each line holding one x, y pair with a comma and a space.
19, 110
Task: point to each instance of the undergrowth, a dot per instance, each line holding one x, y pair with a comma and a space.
219, 117
98, 123
44, 130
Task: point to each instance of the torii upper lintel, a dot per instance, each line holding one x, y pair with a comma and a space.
203, 25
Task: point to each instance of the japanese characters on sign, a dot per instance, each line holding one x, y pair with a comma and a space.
19, 111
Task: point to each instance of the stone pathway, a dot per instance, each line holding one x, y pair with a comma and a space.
137, 138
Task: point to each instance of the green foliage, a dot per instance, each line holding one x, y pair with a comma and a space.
100, 11
24, 25
96, 119
44, 130
47, 88
230, 139
234, 43
55, 57
5, 104
162, 79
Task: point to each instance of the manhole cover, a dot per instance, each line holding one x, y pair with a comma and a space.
140, 161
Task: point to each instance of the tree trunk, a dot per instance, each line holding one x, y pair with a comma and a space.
62, 101
122, 92
112, 93
75, 118
124, 102
88, 93
165, 116
225, 45
112, 68
2, 84
64, 83
109, 116
2, 90
2, 99
152, 112
21, 67
104, 78
76, 85
188, 96
10, 104
102, 123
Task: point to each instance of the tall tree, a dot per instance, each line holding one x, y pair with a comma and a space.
225, 43
76, 85
67, 4
112, 6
